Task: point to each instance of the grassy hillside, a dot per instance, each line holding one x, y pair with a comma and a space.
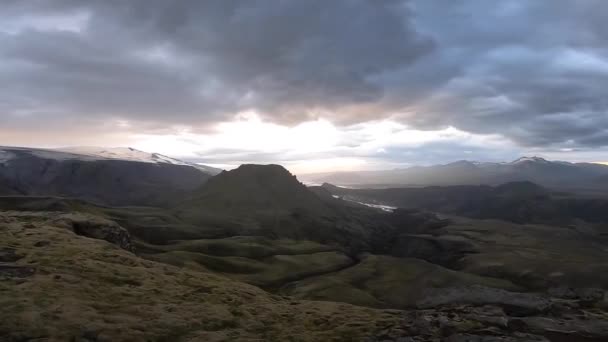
56, 285
60, 286
387, 282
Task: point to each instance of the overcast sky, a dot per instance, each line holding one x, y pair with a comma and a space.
315, 85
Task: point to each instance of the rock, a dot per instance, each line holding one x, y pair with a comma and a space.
42, 243
97, 228
487, 315
513, 303
89, 335
582, 294
16, 271
9, 255
404, 339
603, 304
485, 338
564, 328
590, 295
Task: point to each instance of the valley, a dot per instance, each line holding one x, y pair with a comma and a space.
516, 248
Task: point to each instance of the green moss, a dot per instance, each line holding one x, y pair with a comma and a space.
382, 281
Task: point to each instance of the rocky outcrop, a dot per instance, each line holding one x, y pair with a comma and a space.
91, 226
565, 329
512, 302
490, 323
97, 228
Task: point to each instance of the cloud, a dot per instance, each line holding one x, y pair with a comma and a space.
531, 72
193, 62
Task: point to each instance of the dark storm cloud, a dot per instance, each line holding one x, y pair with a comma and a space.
533, 71
196, 61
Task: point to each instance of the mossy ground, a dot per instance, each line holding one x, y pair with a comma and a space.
387, 282
84, 287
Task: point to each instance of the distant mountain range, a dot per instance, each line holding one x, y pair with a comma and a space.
533, 169
117, 176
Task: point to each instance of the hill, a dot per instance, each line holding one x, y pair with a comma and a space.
269, 201
256, 188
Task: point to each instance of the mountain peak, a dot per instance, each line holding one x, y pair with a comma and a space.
262, 169
247, 175
521, 188
533, 159
258, 187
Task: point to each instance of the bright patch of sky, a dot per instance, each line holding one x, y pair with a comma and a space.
314, 146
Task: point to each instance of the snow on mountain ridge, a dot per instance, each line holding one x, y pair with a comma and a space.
123, 153
129, 153
92, 153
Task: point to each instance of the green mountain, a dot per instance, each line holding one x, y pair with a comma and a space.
256, 188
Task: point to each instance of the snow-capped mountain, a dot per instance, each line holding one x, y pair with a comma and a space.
89, 153
534, 169
123, 153
117, 176
129, 153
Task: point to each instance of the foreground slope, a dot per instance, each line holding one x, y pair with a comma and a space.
60, 286
59, 281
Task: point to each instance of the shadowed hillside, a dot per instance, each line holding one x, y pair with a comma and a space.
105, 181
256, 188
267, 200
521, 202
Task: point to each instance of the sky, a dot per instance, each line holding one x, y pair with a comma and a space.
314, 85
